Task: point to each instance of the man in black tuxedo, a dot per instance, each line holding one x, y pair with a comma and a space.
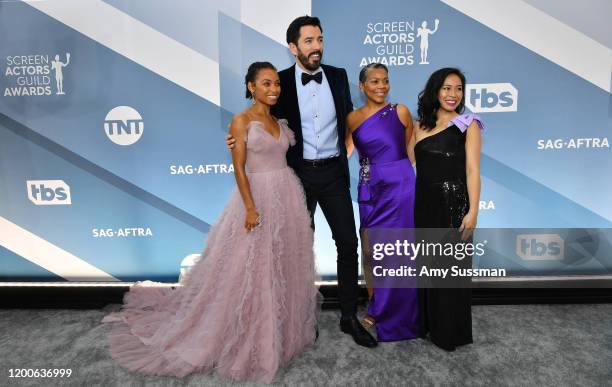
315, 99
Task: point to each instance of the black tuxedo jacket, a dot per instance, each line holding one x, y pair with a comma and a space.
288, 107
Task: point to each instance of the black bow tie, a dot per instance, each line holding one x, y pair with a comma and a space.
318, 77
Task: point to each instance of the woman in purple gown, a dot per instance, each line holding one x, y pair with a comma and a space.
380, 132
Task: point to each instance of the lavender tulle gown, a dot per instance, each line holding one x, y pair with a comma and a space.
386, 200
248, 305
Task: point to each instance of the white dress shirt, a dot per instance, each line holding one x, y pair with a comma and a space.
318, 115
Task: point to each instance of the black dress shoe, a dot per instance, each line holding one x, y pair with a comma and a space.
358, 332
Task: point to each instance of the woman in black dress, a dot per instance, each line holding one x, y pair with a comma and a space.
446, 147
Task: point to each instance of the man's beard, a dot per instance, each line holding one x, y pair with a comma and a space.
304, 60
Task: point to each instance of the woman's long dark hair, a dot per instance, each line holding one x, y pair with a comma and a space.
428, 98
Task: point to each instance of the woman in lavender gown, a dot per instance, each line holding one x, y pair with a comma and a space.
380, 132
247, 307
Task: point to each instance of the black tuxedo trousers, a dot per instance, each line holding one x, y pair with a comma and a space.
327, 186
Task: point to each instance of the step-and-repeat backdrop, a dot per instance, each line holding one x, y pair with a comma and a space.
113, 115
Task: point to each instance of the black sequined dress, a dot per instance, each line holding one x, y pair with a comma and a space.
442, 201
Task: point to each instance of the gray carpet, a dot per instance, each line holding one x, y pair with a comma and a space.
543, 345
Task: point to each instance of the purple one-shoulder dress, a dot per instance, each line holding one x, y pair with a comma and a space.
386, 200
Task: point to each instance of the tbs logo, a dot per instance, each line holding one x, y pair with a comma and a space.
491, 97
48, 192
123, 125
540, 247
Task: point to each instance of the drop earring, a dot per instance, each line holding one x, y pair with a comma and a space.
253, 97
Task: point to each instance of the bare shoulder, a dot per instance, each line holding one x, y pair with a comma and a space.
417, 126
240, 118
473, 130
239, 123
403, 109
474, 125
353, 118
404, 114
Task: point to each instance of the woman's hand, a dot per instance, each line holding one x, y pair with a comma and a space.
253, 220
468, 225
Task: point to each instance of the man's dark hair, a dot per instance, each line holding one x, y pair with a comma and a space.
293, 31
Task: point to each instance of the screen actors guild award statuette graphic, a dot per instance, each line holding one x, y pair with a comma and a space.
57, 65
424, 33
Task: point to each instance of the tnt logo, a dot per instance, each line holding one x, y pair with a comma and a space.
48, 192
491, 97
539, 247
123, 125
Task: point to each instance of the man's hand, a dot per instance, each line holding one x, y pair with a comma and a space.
230, 141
